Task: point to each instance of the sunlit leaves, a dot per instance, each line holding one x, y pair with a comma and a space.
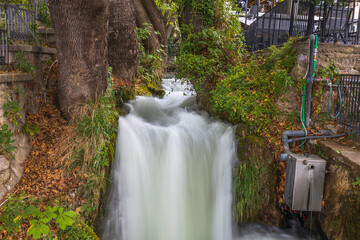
249, 93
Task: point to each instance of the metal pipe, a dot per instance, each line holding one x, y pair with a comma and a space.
301, 134
285, 140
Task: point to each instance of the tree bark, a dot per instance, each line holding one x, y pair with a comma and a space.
123, 45
156, 19
81, 32
152, 44
148, 13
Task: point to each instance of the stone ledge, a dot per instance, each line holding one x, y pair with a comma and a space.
46, 30
346, 155
34, 49
16, 77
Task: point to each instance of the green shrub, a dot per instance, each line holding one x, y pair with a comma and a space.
150, 63
248, 93
208, 56
12, 111
21, 64
6, 147
40, 217
32, 129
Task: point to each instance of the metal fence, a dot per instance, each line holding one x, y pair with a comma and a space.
336, 22
349, 116
17, 21
4, 48
40, 8
20, 22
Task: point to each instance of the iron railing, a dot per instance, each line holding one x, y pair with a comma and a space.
4, 47
336, 22
40, 8
17, 21
20, 22
349, 116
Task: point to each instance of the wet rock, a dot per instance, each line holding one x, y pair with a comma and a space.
155, 91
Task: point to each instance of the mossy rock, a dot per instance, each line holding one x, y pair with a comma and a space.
156, 91
254, 180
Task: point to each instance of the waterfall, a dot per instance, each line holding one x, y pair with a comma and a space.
171, 176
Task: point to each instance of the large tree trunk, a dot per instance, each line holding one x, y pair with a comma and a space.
123, 45
148, 13
142, 18
81, 31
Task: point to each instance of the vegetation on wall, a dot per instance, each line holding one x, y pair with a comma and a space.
247, 187
248, 94
151, 64
6, 147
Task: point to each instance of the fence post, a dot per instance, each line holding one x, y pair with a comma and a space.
310, 25
292, 17
323, 22
357, 29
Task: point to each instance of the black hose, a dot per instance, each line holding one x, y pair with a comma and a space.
316, 137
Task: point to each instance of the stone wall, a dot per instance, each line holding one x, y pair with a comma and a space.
26, 89
339, 218
11, 169
345, 57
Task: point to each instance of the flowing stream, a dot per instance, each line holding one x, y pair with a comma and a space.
171, 176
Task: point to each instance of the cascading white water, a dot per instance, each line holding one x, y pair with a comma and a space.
171, 176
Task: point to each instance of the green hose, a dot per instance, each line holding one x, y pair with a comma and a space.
303, 111
339, 92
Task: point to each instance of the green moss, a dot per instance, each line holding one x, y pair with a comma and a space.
155, 90
254, 177
247, 181
124, 93
350, 218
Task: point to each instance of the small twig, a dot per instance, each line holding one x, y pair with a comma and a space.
6, 199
